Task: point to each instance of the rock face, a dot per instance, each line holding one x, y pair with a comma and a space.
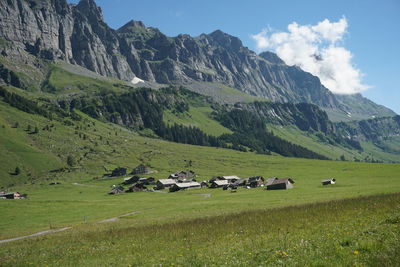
55, 30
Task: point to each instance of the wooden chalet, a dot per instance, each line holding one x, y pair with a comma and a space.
183, 175
277, 184
255, 181
230, 178
116, 190
240, 182
219, 183
142, 169
131, 180
138, 187
12, 195
204, 184
184, 186
118, 172
164, 183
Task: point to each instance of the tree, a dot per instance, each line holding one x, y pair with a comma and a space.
70, 161
36, 130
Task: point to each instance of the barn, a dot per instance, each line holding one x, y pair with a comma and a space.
184, 186
256, 181
141, 169
131, 180
277, 184
183, 175
138, 187
11, 195
116, 190
164, 183
219, 183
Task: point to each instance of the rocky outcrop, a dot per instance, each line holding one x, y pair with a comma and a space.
374, 130
77, 34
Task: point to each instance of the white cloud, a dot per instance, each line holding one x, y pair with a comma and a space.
316, 49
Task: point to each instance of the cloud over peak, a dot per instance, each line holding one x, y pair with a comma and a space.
316, 49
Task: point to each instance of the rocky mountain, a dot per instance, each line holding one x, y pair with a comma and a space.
54, 30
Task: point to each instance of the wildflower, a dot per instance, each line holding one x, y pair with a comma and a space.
356, 252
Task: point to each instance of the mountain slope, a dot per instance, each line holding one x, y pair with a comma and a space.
77, 34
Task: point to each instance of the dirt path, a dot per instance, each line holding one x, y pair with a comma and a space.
87, 185
117, 218
35, 234
204, 195
63, 229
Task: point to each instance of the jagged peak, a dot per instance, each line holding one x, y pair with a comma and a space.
271, 57
132, 24
90, 9
225, 39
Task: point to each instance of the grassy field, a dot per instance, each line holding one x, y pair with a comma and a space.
354, 232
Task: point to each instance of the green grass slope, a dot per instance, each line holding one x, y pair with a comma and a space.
387, 151
199, 117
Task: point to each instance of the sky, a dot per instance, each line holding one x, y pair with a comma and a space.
352, 46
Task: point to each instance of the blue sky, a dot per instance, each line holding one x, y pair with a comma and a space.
373, 35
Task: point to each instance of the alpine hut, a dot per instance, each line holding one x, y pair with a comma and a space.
164, 183
142, 169
219, 183
184, 186
276, 183
328, 181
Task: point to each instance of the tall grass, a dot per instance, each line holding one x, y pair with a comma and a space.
354, 232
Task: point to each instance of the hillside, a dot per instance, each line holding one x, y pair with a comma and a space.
63, 114
77, 34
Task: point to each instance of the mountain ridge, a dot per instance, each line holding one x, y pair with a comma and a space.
78, 35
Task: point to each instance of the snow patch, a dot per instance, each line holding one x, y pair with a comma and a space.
137, 80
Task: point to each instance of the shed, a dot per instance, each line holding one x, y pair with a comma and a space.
204, 184
116, 190
256, 181
184, 186
328, 181
165, 183
151, 180
230, 178
182, 175
118, 172
11, 195
142, 169
240, 182
138, 187
131, 180
219, 183
276, 183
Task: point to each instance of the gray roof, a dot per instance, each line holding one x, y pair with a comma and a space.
187, 185
231, 177
221, 182
167, 181
275, 180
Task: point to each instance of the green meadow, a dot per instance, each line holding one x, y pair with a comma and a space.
347, 224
